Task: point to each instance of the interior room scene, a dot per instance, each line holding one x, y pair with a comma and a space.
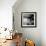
22, 22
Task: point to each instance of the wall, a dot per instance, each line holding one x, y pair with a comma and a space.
43, 22
28, 6
6, 17
6, 13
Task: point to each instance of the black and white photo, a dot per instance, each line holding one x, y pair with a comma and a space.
28, 19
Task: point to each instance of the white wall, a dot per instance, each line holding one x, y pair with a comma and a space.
37, 34
28, 6
43, 22
6, 13
6, 17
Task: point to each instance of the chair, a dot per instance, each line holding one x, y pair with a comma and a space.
18, 39
29, 43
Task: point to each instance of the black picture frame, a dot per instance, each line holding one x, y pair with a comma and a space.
29, 19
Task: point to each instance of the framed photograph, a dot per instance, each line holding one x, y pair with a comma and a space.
28, 19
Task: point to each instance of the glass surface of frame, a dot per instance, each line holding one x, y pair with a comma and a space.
28, 19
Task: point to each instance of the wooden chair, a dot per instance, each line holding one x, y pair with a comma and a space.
18, 39
29, 43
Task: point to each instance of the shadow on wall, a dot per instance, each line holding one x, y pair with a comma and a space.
17, 4
27, 6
